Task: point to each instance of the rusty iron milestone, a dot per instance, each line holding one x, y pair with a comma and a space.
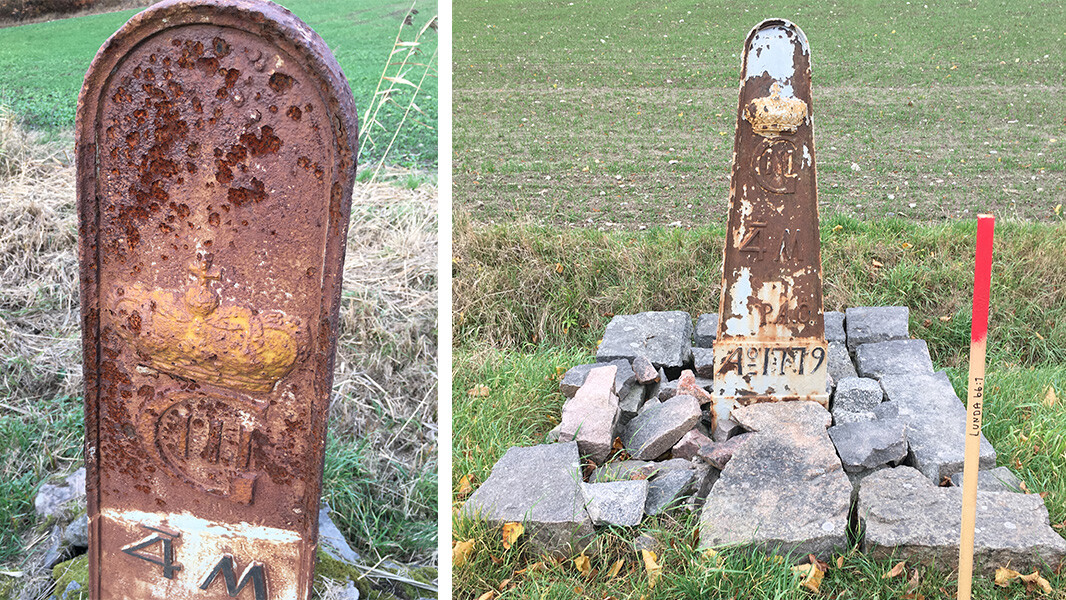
771, 334
216, 151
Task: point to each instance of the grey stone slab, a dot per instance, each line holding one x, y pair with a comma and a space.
895, 356
704, 478
1000, 479
869, 444
671, 388
907, 517
667, 490
834, 326
690, 385
772, 416
936, 423
665, 338
619, 503
630, 404
706, 330
783, 491
77, 533
68, 495
644, 370
703, 362
868, 324
857, 394
840, 363
657, 429
537, 485
332, 541
625, 378
591, 416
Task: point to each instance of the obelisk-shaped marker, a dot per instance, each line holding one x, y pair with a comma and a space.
216, 150
771, 334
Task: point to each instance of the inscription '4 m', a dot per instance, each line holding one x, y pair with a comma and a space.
254, 573
758, 243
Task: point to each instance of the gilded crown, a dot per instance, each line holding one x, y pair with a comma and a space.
772, 115
189, 333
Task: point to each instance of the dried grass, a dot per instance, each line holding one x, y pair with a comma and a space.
386, 360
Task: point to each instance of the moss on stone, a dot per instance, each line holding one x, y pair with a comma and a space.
8, 588
340, 571
75, 570
422, 575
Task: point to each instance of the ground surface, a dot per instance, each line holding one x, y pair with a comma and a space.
621, 114
42, 66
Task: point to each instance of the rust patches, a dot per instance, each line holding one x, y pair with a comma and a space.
280, 82
265, 143
294, 113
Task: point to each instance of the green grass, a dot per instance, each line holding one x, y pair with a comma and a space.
42, 65
622, 114
520, 323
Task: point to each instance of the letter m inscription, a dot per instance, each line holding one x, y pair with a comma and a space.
255, 572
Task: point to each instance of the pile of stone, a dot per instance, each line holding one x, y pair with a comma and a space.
786, 477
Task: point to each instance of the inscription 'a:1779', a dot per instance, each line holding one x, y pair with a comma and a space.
773, 360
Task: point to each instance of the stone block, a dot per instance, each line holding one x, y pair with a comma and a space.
907, 517
834, 326
703, 362
706, 330
591, 416
840, 364
869, 324
1000, 479
537, 485
657, 429
624, 470
808, 416
844, 417
783, 491
54, 499
630, 404
644, 370
666, 490
689, 444
619, 503
866, 445
896, 356
857, 394
936, 423
717, 454
665, 338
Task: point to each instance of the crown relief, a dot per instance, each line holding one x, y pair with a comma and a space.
773, 115
191, 334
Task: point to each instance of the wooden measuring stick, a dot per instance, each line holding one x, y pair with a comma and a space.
982, 283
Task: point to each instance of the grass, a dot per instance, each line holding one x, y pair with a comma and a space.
531, 301
381, 459
42, 65
621, 114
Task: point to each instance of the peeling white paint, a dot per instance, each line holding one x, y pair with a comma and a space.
739, 322
186, 522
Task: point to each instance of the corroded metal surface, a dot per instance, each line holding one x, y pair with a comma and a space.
216, 154
771, 337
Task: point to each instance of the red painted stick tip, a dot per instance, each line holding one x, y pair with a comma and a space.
982, 278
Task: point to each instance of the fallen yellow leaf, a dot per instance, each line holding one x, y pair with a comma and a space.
558, 267
654, 568
1038, 336
840, 562
583, 564
533, 568
712, 553
478, 391
812, 576
616, 567
461, 552
1033, 580
905, 246
511, 532
1058, 209
945, 318
464, 486
489, 595
838, 228
1050, 397
895, 572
